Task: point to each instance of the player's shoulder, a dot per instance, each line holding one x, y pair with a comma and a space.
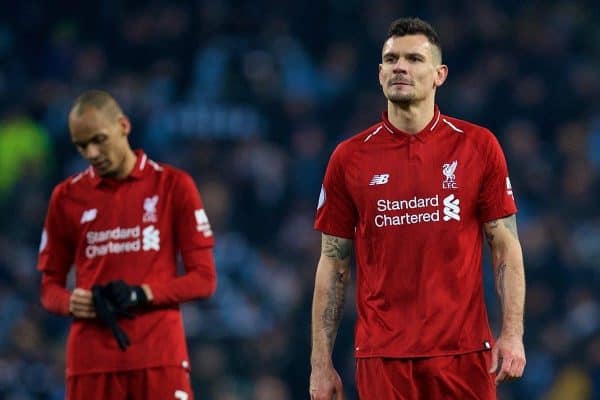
358, 140
464, 126
80, 181
174, 177
73, 187
478, 134
170, 171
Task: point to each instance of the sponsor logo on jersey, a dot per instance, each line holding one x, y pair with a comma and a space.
122, 240
151, 238
202, 224
379, 179
451, 208
509, 190
150, 209
88, 215
406, 217
416, 210
449, 175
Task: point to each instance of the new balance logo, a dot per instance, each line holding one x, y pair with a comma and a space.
88, 215
151, 238
451, 208
379, 179
509, 190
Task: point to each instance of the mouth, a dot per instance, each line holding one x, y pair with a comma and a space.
101, 165
401, 83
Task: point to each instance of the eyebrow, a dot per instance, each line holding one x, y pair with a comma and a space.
85, 142
411, 54
393, 54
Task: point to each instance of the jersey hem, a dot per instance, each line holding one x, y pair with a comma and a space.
332, 232
122, 369
419, 355
495, 216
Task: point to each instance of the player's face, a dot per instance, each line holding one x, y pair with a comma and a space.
410, 69
101, 140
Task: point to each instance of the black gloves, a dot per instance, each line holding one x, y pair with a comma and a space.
108, 314
125, 296
113, 301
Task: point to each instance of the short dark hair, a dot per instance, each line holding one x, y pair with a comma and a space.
415, 26
99, 100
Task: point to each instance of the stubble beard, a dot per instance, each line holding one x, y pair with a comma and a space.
401, 99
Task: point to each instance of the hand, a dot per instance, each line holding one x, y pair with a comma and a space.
508, 358
108, 314
326, 384
81, 304
124, 296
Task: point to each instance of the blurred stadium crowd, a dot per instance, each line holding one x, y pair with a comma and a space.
251, 98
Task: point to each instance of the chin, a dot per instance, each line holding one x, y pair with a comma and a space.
400, 96
107, 173
401, 100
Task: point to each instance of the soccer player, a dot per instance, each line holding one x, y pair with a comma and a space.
122, 223
412, 195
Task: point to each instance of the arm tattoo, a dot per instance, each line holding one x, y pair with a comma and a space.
489, 236
500, 282
338, 249
335, 247
332, 315
511, 224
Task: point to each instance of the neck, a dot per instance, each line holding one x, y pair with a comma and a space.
128, 164
411, 117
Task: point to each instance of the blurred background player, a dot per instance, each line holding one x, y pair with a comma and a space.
251, 100
122, 223
412, 193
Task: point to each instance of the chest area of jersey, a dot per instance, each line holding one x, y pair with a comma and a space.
125, 220
412, 184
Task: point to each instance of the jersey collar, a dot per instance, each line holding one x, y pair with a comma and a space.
137, 172
140, 164
421, 135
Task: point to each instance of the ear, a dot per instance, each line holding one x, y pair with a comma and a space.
379, 68
125, 125
441, 73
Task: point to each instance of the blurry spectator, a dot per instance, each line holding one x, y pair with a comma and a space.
250, 98
25, 149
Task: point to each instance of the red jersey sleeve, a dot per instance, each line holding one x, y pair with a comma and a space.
496, 198
336, 211
55, 257
194, 238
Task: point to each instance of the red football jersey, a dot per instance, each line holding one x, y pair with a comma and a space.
414, 206
129, 229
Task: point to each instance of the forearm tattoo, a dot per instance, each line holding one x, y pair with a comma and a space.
336, 247
509, 223
500, 282
489, 231
340, 250
332, 315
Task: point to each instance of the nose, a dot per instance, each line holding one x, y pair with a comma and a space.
400, 66
91, 152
